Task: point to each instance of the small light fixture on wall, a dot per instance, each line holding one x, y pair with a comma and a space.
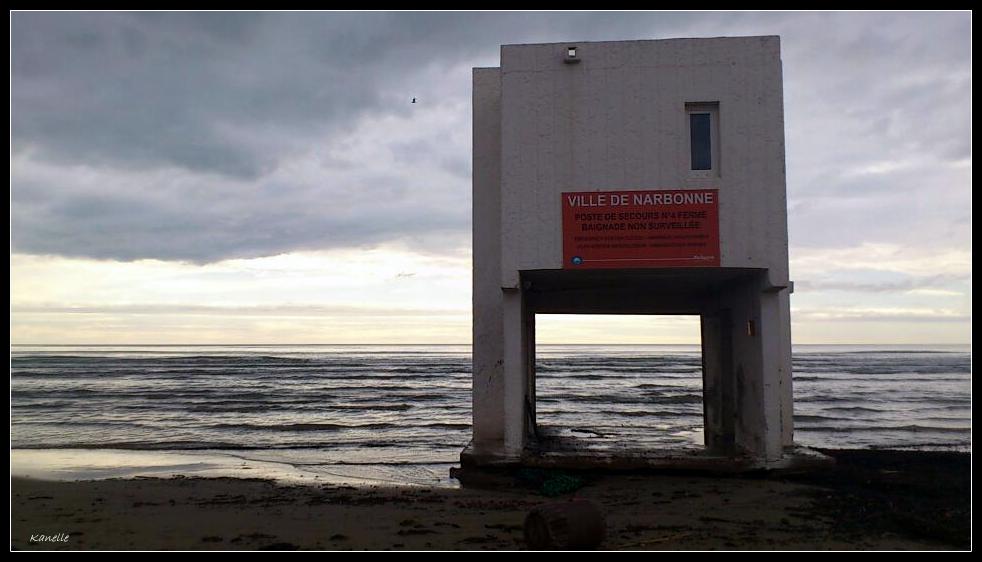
571, 55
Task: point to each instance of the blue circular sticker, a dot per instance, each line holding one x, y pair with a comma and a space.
577, 260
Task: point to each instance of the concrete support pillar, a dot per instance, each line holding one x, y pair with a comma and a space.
760, 368
787, 391
519, 337
717, 382
488, 393
530, 396
503, 399
773, 372
488, 396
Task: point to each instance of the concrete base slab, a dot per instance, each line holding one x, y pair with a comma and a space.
694, 461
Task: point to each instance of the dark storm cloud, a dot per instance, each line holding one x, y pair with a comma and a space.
140, 90
201, 219
206, 136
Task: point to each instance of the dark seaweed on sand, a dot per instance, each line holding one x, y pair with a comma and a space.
920, 494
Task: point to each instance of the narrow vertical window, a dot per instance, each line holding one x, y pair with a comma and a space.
703, 136
701, 141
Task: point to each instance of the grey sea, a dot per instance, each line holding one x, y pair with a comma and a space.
385, 413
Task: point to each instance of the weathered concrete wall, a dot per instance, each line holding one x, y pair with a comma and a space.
488, 397
617, 120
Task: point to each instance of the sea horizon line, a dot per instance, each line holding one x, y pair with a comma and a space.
434, 344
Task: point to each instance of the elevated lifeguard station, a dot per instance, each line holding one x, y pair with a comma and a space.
633, 177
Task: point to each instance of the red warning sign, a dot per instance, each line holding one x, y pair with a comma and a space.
622, 229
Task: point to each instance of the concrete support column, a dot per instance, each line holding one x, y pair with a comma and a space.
717, 382
530, 425
516, 371
787, 391
761, 367
488, 395
775, 374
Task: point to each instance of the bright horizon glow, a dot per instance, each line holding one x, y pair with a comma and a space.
391, 296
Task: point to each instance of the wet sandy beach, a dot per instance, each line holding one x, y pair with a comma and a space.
869, 500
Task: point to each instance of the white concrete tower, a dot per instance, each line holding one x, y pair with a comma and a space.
634, 177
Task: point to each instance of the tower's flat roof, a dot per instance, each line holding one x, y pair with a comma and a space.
663, 40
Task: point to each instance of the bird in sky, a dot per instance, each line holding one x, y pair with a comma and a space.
414, 100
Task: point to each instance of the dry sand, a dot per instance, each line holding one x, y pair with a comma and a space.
866, 502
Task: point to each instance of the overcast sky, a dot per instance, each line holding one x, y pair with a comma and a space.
247, 178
